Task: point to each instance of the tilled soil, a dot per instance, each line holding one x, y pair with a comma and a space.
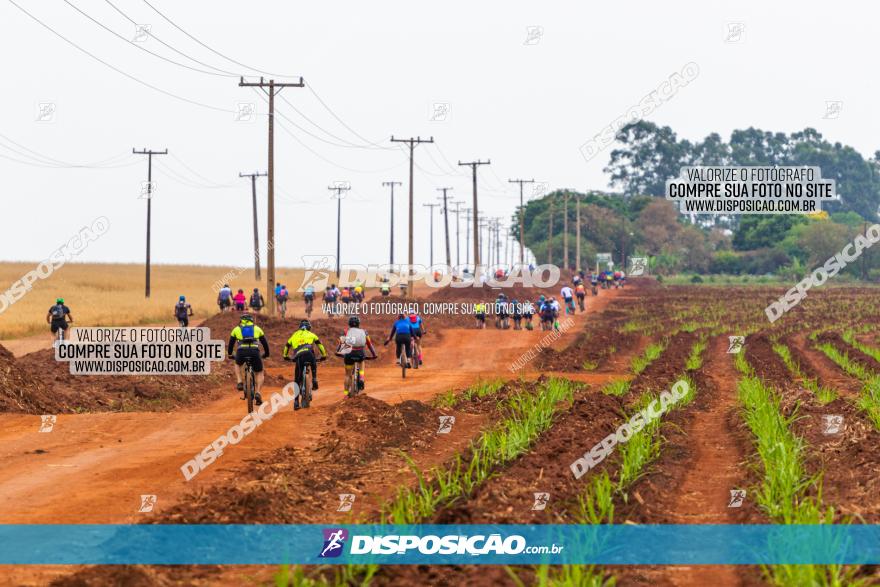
665, 369
815, 365
866, 361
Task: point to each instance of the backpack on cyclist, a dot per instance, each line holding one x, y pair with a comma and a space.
256, 301
57, 312
247, 334
180, 310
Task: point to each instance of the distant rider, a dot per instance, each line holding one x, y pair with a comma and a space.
182, 311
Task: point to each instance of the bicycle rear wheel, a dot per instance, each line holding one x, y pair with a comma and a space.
249, 386
305, 392
402, 359
416, 351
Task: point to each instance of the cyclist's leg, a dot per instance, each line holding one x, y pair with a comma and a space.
313, 361
239, 361
349, 369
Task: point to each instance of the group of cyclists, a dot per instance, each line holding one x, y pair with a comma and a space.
305, 348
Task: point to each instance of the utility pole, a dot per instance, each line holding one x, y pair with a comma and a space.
412, 142
577, 233
457, 204
474, 165
431, 231
338, 189
392, 184
565, 230
550, 238
446, 225
254, 177
149, 153
273, 88
522, 213
467, 237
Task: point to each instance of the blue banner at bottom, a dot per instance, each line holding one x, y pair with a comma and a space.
161, 544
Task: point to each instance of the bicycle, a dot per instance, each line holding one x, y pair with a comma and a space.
250, 384
416, 352
581, 302
309, 306
59, 336
595, 290
354, 386
502, 322
403, 362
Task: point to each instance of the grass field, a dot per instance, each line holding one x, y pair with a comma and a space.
113, 294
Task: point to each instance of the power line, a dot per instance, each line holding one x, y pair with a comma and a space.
181, 53
412, 142
116, 69
141, 47
172, 23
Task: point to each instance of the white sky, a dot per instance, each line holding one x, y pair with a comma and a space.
381, 66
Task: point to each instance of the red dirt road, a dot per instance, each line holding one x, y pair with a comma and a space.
93, 468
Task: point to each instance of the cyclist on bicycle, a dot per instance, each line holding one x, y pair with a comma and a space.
480, 314
547, 314
346, 295
358, 292
351, 349
501, 310
581, 293
331, 294
528, 313
517, 314
568, 297
240, 300
248, 335
182, 311
257, 302
385, 289
58, 316
282, 296
402, 333
224, 297
419, 330
303, 343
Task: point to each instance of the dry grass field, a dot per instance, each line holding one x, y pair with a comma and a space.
101, 294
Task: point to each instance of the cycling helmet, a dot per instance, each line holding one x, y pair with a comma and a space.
225, 285
247, 318
541, 298
59, 301
502, 296
354, 322
256, 289
182, 298
305, 325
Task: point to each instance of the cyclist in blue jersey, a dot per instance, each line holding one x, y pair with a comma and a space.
402, 333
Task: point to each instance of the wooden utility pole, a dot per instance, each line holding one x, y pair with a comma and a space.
565, 231
392, 184
474, 165
522, 213
338, 195
149, 153
446, 225
550, 238
254, 177
431, 231
412, 142
271, 87
577, 233
457, 204
467, 237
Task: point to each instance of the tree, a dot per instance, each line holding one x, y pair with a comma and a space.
648, 157
658, 225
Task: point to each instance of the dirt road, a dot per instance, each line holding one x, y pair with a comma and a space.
93, 468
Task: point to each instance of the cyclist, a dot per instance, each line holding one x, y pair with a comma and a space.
359, 292
330, 300
568, 297
594, 281
480, 314
58, 316
303, 343
517, 314
402, 333
346, 295
501, 310
224, 297
580, 292
351, 348
240, 300
556, 309
616, 277
248, 335
182, 311
576, 279
418, 329
622, 279
309, 297
528, 313
278, 287
281, 297
547, 314
257, 302
385, 289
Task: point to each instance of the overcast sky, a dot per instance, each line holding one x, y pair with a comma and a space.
526, 85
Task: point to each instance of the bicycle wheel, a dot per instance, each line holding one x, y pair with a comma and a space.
305, 392
415, 352
353, 381
402, 359
249, 386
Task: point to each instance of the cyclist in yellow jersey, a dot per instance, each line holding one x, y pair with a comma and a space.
247, 335
303, 342
480, 314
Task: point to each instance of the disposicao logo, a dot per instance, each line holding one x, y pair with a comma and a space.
334, 542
